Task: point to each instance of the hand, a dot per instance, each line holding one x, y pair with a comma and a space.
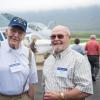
31, 95
51, 96
31, 91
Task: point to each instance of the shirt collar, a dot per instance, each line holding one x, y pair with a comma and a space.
19, 50
63, 53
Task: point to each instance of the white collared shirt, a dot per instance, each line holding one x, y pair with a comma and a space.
67, 70
14, 69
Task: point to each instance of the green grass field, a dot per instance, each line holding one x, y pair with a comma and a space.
82, 40
83, 36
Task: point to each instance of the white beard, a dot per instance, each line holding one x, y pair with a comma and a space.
58, 48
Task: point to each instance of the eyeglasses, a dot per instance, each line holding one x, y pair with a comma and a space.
13, 31
59, 36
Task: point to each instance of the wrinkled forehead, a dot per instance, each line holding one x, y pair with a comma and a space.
61, 30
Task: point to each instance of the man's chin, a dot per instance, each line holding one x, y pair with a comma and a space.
58, 50
14, 41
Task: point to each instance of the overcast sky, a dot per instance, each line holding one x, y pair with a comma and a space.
37, 5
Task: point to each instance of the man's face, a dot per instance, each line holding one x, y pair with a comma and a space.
59, 40
15, 36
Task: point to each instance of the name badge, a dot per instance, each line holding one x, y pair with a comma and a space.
15, 67
61, 72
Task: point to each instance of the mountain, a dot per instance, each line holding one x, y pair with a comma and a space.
86, 19
7, 16
3, 21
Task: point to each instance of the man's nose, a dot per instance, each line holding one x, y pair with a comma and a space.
56, 38
16, 34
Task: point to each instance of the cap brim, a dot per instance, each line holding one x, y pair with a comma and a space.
17, 25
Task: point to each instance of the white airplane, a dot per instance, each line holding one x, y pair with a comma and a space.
42, 34
41, 30
42, 45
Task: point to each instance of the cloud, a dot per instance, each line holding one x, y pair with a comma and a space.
36, 5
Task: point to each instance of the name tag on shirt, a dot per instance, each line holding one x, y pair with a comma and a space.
61, 72
15, 67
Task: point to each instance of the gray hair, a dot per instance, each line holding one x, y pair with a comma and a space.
92, 36
64, 28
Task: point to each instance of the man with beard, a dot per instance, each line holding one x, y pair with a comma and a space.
18, 74
66, 73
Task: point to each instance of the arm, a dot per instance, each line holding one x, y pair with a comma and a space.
75, 94
98, 49
85, 49
31, 91
82, 80
33, 78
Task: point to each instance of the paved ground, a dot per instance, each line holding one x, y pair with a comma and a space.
96, 84
39, 87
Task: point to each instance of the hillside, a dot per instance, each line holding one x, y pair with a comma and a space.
79, 20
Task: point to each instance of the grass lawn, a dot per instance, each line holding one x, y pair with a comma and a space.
84, 36
82, 40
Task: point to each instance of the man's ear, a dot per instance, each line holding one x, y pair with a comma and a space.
23, 35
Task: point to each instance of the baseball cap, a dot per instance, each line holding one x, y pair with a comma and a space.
17, 21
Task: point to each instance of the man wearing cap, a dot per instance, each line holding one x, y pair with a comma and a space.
18, 74
93, 53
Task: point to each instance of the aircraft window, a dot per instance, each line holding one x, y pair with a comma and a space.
32, 27
38, 28
1, 38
